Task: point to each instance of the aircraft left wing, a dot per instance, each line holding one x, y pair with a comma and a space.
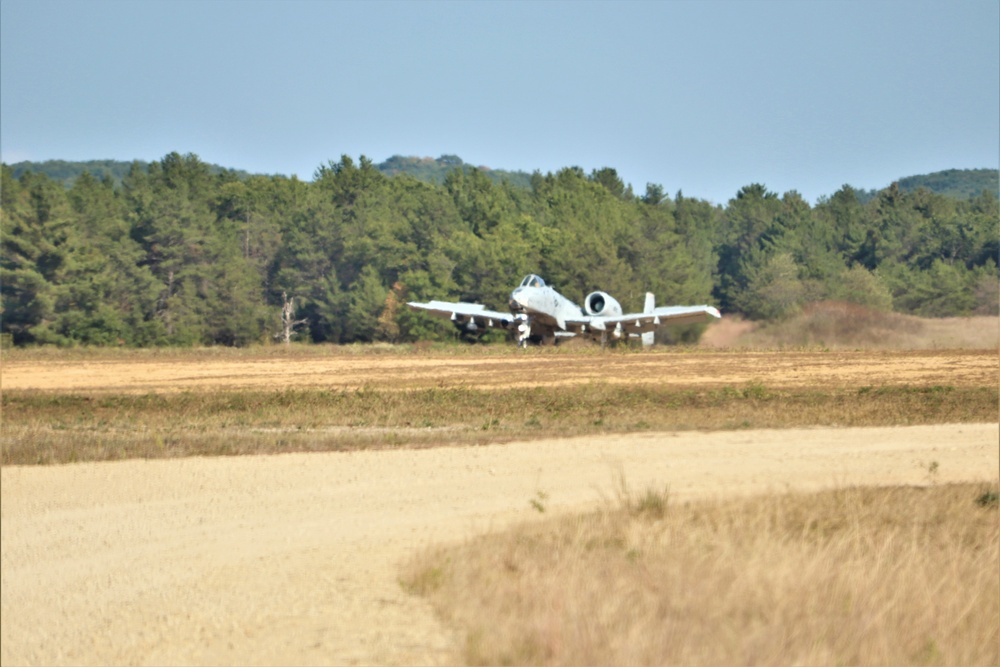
463, 313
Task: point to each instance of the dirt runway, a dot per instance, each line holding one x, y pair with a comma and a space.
533, 368
293, 559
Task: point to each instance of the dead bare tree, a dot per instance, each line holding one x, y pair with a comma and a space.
288, 321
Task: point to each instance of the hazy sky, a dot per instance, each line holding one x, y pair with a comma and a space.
701, 96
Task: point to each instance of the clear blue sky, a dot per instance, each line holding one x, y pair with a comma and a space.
701, 96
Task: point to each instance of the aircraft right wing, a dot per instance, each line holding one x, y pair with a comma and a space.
686, 314
645, 322
463, 313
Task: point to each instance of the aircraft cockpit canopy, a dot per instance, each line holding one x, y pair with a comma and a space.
532, 280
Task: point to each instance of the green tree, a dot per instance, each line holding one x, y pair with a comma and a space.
749, 226
111, 295
590, 229
986, 289
365, 302
210, 292
37, 247
655, 194
843, 219
608, 177
305, 265
861, 286
773, 288
943, 290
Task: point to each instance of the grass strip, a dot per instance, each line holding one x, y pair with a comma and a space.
42, 428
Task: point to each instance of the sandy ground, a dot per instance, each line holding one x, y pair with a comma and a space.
293, 559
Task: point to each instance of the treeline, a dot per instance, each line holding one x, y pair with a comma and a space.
431, 170
66, 171
175, 254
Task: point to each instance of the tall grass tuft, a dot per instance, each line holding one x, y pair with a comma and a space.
857, 576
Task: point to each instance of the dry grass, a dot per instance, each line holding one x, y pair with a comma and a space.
424, 397
855, 576
841, 325
295, 351
44, 427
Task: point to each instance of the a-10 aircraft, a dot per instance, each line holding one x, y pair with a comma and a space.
538, 312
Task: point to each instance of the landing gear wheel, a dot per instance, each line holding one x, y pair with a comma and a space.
523, 332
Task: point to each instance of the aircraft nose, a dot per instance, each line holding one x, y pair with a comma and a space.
517, 300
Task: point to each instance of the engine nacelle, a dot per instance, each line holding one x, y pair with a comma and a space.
602, 303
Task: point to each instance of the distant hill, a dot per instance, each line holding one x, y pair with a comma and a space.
957, 183
434, 170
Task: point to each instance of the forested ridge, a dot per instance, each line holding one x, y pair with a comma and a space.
431, 170
67, 171
178, 252
960, 183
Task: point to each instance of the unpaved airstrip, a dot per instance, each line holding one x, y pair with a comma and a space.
293, 559
339, 371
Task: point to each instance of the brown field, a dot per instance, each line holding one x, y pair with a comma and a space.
331, 369
294, 559
92, 407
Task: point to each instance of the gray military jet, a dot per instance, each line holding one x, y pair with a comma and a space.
538, 312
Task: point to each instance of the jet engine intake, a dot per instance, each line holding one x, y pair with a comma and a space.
603, 304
